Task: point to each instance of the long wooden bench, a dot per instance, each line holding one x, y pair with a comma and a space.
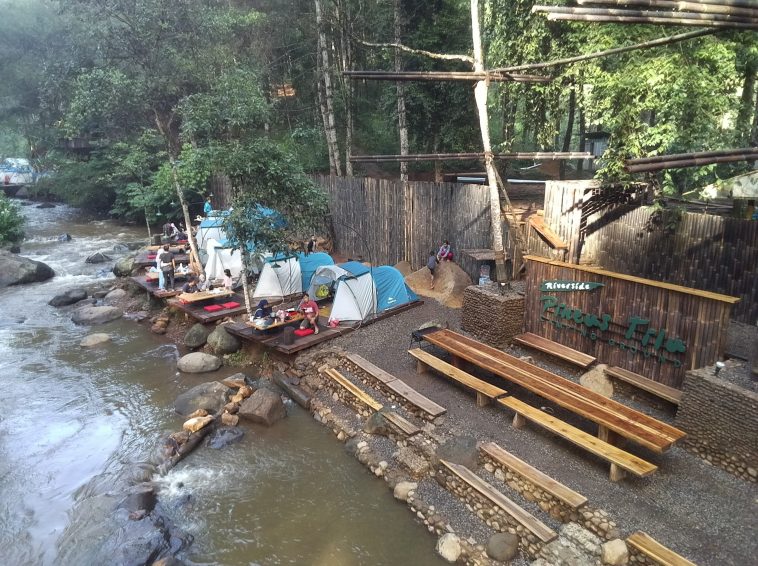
547, 484
655, 551
670, 394
526, 519
399, 387
485, 392
398, 421
610, 415
620, 460
555, 349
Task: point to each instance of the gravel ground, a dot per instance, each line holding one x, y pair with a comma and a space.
696, 509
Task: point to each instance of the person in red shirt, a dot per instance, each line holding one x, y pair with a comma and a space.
309, 308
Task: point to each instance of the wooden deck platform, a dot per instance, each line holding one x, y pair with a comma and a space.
274, 339
197, 312
151, 286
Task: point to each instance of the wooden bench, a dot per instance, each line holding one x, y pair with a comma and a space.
620, 460
524, 518
654, 550
610, 415
401, 423
399, 387
547, 484
670, 394
485, 392
555, 349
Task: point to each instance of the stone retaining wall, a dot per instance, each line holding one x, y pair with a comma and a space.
483, 305
492, 515
371, 381
594, 520
721, 422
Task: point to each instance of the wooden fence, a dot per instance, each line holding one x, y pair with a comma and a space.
655, 329
386, 223
707, 252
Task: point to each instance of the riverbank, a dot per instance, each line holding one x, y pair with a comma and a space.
685, 491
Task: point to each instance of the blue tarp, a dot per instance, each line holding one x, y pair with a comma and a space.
391, 290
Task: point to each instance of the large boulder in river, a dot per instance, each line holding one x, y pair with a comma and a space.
263, 407
97, 258
196, 336
124, 266
115, 295
221, 342
18, 270
198, 362
96, 315
211, 396
68, 298
94, 340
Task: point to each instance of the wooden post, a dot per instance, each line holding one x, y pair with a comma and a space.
420, 367
607, 435
617, 474
456, 362
482, 400
518, 421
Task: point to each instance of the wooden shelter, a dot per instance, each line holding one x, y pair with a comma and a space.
651, 328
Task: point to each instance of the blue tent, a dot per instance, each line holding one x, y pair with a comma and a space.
391, 290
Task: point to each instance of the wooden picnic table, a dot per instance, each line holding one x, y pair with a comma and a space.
295, 316
205, 295
608, 414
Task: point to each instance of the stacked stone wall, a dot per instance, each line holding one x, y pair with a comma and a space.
721, 422
491, 514
491, 317
594, 520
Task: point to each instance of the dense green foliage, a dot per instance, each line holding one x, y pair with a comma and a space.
11, 221
158, 96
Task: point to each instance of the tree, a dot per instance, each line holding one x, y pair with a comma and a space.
11, 221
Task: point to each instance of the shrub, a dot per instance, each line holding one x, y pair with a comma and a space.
11, 221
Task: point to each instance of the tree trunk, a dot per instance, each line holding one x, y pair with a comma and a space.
322, 107
246, 265
569, 129
323, 56
164, 126
480, 93
346, 55
509, 101
582, 140
743, 128
147, 222
402, 124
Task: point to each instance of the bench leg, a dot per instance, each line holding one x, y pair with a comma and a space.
420, 367
456, 362
617, 474
607, 435
518, 421
482, 400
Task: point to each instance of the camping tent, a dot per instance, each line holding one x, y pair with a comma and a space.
284, 275
211, 228
221, 257
361, 291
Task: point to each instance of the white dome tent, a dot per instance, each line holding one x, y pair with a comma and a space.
280, 277
220, 258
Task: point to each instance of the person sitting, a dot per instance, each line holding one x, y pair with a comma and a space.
190, 286
167, 230
445, 252
309, 308
203, 284
262, 310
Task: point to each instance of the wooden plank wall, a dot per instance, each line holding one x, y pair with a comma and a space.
699, 321
721, 253
369, 217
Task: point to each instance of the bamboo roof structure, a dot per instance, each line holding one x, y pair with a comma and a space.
492, 76
541, 155
733, 14
681, 160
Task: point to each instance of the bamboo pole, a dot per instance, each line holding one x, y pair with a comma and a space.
688, 6
691, 155
446, 76
659, 20
697, 162
616, 50
640, 14
546, 156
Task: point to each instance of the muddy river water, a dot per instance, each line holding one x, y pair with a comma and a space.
76, 423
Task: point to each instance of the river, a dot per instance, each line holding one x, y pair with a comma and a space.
75, 425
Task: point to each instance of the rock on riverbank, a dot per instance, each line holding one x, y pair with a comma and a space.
18, 270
